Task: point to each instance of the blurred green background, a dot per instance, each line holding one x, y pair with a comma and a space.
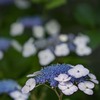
74, 16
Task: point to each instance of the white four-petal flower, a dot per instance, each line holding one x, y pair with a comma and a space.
81, 40
86, 87
62, 78
78, 71
68, 88
46, 57
83, 50
61, 50
30, 85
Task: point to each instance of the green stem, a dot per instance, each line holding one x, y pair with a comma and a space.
59, 95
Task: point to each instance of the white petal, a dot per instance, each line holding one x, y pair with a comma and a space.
22, 4
16, 45
65, 86
15, 94
71, 72
25, 89
82, 86
62, 78
16, 29
31, 81
95, 81
67, 92
79, 66
38, 31
62, 87
89, 84
34, 74
92, 76
74, 88
52, 27
88, 91
28, 50
1, 55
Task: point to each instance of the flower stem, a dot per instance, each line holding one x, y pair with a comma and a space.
59, 95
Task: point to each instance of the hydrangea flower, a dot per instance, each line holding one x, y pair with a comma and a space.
22, 4
83, 50
29, 48
78, 71
53, 27
86, 87
62, 50
46, 57
68, 89
68, 78
12, 88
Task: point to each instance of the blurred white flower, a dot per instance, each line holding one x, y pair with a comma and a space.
46, 57
29, 48
83, 50
61, 50
38, 31
53, 27
22, 4
17, 95
63, 38
86, 87
16, 29
1, 55
81, 40
30, 85
16, 45
68, 88
62, 78
78, 71
93, 78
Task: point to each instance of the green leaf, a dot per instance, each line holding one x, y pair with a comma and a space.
54, 3
85, 15
94, 37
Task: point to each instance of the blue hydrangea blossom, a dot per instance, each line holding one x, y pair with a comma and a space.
66, 77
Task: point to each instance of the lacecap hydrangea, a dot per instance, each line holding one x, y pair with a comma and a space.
66, 77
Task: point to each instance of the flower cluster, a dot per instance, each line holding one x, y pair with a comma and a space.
13, 89
66, 77
54, 46
38, 26
4, 45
